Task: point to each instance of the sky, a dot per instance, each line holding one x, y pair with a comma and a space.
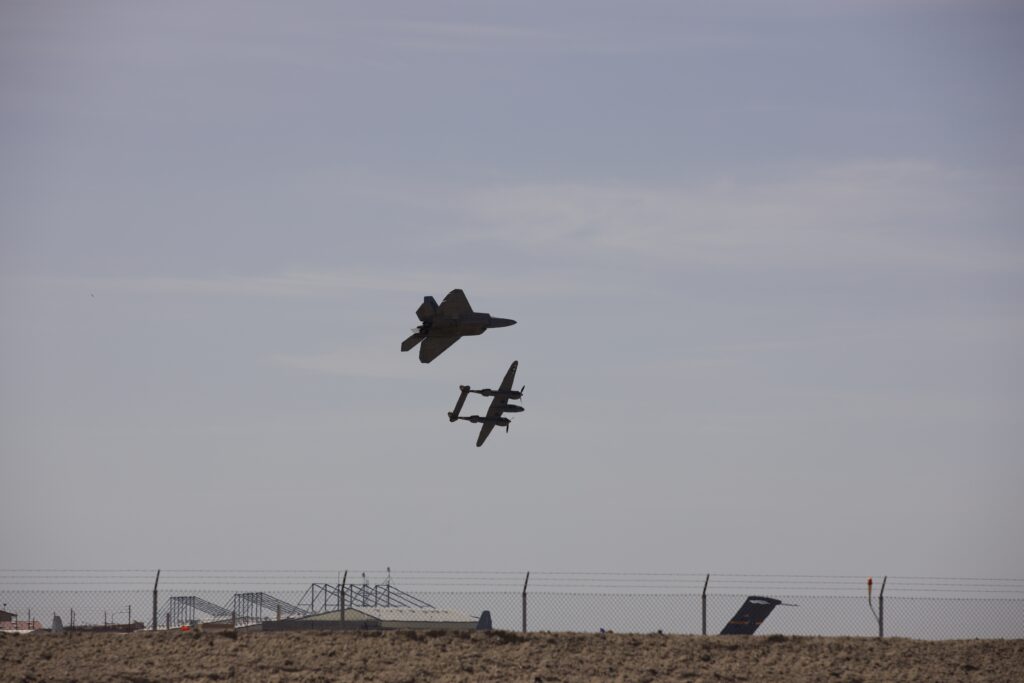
766, 259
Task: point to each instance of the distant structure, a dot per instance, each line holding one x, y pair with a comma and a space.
322, 607
323, 597
185, 609
15, 626
251, 608
381, 618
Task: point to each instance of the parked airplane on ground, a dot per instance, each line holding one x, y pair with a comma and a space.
444, 325
499, 405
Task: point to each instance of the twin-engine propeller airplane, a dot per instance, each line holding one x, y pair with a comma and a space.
441, 326
499, 405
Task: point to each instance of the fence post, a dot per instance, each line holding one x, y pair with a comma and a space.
129, 618
524, 600
704, 607
881, 609
341, 598
168, 621
155, 583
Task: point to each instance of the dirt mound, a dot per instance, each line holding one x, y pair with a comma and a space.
410, 656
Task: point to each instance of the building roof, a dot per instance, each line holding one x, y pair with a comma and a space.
393, 615
20, 625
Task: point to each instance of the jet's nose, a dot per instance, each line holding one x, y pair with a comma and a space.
501, 322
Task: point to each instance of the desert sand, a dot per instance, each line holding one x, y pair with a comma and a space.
408, 656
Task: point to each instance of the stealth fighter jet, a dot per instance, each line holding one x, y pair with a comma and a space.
443, 325
499, 405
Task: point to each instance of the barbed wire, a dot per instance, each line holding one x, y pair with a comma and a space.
181, 579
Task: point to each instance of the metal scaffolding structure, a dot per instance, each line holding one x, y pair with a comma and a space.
182, 609
386, 595
324, 597
251, 608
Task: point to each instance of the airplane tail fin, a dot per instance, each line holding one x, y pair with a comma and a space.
412, 341
751, 614
427, 309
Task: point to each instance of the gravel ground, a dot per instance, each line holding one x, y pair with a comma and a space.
408, 656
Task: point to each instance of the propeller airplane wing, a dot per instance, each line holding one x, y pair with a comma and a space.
498, 405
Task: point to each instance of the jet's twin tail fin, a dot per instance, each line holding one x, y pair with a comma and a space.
454, 305
427, 309
425, 313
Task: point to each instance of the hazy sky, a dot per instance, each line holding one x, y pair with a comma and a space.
767, 261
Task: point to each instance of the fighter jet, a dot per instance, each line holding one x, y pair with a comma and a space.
499, 404
443, 325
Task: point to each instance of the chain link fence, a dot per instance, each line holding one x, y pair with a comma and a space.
909, 607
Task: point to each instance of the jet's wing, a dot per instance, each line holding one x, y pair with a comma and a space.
454, 305
506, 384
432, 347
485, 431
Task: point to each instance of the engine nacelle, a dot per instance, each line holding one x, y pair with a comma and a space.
512, 409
